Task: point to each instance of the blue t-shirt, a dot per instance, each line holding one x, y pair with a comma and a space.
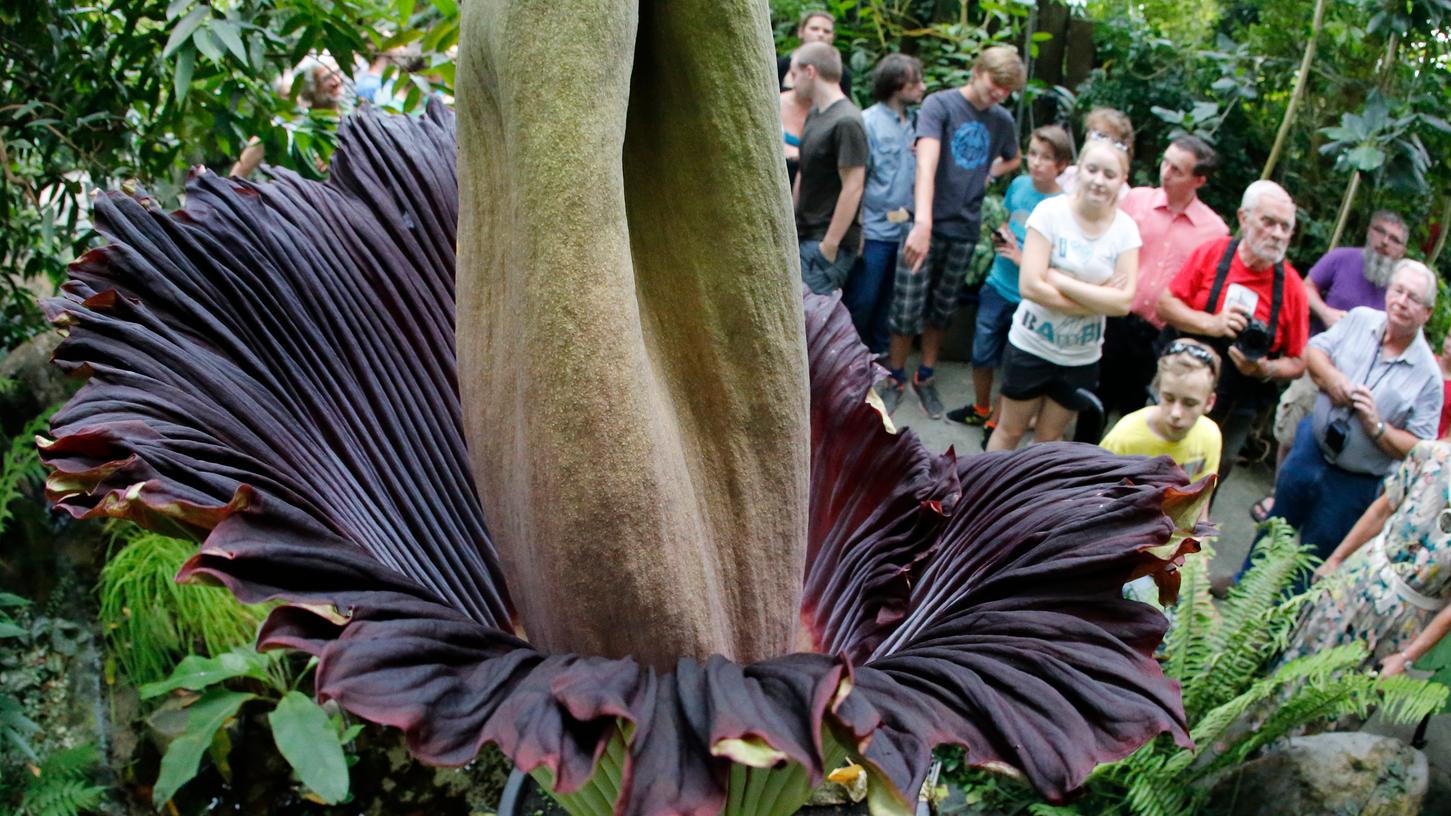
970, 140
1019, 201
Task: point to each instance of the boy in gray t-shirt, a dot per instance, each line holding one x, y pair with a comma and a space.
965, 138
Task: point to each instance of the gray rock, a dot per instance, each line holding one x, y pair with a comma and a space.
1349, 774
39, 384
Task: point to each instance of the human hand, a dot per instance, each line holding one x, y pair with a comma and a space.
1332, 316
1394, 664
1230, 322
1363, 403
1007, 245
1326, 569
1338, 389
828, 251
1257, 368
914, 251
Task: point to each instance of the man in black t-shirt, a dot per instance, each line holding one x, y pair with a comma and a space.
829, 186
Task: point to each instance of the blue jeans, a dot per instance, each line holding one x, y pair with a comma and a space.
990, 332
1317, 498
868, 292
820, 275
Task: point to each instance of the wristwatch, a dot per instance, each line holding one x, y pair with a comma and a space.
1380, 430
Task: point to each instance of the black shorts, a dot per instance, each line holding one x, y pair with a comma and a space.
1028, 376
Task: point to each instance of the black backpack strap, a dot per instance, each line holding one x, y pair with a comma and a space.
1277, 296
1212, 305
1277, 291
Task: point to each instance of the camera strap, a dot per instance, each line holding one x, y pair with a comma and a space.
1277, 290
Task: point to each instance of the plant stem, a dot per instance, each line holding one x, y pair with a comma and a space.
1345, 203
1445, 226
1301, 78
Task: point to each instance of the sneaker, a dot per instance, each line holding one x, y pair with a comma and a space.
927, 393
987, 432
890, 391
970, 415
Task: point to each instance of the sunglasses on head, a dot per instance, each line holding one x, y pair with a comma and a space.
1195, 351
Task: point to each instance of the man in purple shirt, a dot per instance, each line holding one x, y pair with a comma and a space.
1356, 276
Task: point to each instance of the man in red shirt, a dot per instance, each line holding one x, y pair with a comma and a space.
1240, 296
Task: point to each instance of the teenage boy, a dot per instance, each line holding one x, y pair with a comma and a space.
1176, 426
833, 170
1050, 151
896, 83
965, 139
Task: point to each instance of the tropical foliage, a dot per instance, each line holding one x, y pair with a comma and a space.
1237, 698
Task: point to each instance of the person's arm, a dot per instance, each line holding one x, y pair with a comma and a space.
1435, 629
1265, 368
914, 250
1319, 307
1420, 424
1327, 377
1366, 527
1113, 298
1181, 316
847, 201
250, 159
1001, 167
1033, 274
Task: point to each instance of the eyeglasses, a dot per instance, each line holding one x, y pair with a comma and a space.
1195, 351
1393, 237
1398, 290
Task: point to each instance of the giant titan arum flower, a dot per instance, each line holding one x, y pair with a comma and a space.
709, 572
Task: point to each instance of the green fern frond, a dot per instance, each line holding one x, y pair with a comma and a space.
1159, 796
1255, 622
1187, 644
62, 787
1408, 700
150, 621
20, 469
65, 797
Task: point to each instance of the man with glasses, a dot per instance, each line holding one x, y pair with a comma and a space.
1379, 392
1341, 280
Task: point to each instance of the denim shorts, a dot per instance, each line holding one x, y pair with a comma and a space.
820, 275
990, 333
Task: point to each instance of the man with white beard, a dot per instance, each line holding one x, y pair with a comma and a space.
1341, 280
1241, 298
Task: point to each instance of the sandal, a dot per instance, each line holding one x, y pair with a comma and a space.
1262, 508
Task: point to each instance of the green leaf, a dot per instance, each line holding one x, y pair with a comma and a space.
231, 36
176, 7
10, 630
310, 744
196, 672
9, 600
185, 28
1366, 158
207, 44
448, 8
405, 10
208, 714
185, 64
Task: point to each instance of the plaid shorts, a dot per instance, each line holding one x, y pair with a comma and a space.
929, 298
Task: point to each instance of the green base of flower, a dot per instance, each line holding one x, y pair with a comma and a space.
779, 790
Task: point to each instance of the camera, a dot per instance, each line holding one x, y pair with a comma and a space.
1335, 434
1253, 340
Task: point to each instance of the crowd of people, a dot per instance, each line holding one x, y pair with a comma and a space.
1138, 303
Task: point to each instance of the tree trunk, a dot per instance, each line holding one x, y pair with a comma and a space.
1344, 214
631, 347
1444, 226
1301, 79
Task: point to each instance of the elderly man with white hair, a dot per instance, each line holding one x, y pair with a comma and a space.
1241, 297
1380, 393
